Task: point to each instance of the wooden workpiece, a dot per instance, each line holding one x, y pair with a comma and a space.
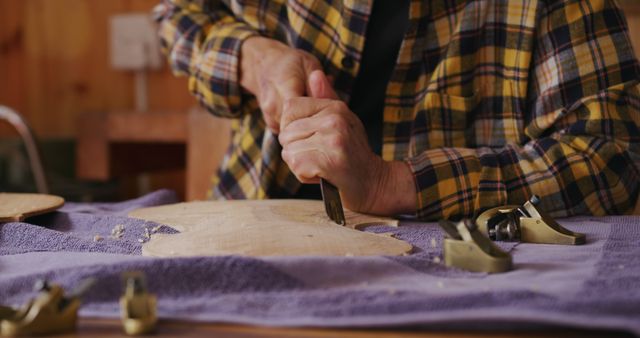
16, 207
264, 228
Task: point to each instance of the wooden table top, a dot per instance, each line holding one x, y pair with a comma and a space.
113, 328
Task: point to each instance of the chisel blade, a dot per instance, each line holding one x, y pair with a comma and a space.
332, 202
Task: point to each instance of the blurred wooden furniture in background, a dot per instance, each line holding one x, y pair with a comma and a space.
631, 9
114, 144
118, 143
208, 139
55, 68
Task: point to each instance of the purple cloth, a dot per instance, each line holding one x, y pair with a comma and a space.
73, 228
596, 285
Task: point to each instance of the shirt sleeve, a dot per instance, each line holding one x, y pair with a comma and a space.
582, 153
202, 40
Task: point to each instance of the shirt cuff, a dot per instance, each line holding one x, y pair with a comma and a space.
215, 79
448, 183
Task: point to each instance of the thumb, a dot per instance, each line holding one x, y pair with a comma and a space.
320, 87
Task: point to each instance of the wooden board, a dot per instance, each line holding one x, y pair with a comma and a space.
112, 328
16, 207
264, 228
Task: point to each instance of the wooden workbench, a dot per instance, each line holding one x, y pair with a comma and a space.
112, 328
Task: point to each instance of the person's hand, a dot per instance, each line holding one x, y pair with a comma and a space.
274, 72
322, 138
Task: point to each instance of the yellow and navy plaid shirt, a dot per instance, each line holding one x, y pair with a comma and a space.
490, 101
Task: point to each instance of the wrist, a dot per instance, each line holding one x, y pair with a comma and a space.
249, 62
396, 192
253, 53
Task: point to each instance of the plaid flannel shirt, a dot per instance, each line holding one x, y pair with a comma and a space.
490, 101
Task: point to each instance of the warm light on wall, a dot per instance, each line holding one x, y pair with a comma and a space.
135, 47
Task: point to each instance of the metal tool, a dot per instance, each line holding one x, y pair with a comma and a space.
16, 120
332, 202
6, 312
137, 306
50, 312
466, 248
527, 223
330, 194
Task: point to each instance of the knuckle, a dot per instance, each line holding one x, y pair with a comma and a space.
268, 107
273, 126
337, 105
336, 141
291, 162
288, 103
332, 122
336, 123
284, 138
269, 118
304, 179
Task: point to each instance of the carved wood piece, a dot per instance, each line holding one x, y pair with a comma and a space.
264, 228
15, 207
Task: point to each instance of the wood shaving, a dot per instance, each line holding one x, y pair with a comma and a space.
117, 231
97, 238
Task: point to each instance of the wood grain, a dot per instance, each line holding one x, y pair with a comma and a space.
12, 65
264, 228
54, 61
17, 207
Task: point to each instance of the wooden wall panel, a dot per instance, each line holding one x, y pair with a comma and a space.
54, 64
632, 12
11, 61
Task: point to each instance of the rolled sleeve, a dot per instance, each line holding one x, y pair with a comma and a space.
202, 40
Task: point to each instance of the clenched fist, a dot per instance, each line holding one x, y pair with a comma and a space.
274, 73
322, 138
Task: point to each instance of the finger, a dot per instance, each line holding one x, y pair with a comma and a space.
310, 64
320, 87
272, 124
303, 160
324, 122
298, 130
293, 87
308, 158
270, 102
302, 107
314, 180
